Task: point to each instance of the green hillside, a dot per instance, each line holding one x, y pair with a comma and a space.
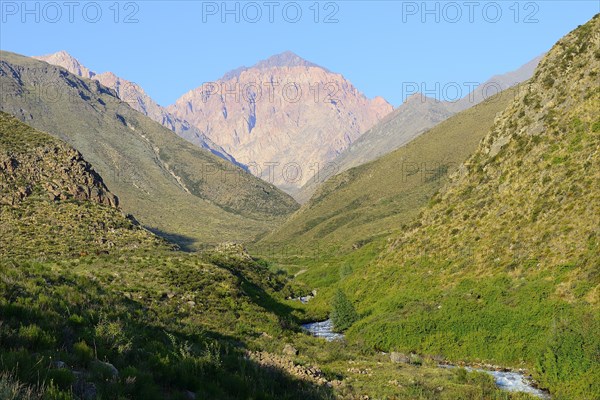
180, 191
93, 306
49, 193
114, 295
380, 197
504, 264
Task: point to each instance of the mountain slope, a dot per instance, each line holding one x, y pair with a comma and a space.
48, 192
134, 95
93, 306
77, 275
415, 116
283, 110
495, 84
504, 264
172, 186
378, 197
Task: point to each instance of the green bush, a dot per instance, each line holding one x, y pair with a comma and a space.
34, 337
83, 352
343, 313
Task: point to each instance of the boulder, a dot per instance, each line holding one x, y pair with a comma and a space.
396, 357
290, 350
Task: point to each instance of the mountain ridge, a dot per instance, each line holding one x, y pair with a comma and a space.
137, 98
371, 200
285, 59
506, 256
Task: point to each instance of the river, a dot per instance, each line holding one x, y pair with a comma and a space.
506, 380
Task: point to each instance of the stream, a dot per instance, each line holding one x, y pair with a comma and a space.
510, 381
323, 330
506, 380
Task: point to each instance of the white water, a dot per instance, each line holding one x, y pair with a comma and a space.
509, 381
323, 329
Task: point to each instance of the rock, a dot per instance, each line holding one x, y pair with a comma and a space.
290, 350
305, 299
234, 251
306, 373
135, 97
56, 169
336, 383
113, 370
109, 367
396, 357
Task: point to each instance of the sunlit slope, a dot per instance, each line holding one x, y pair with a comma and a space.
381, 196
504, 264
53, 204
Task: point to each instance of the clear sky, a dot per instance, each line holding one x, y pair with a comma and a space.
170, 47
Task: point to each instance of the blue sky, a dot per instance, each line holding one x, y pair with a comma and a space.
170, 47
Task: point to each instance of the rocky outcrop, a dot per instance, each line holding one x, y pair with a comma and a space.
68, 62
285, 118
49, 169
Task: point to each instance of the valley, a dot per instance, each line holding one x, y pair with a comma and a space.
243, 243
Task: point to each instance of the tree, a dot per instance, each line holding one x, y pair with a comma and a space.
343, 313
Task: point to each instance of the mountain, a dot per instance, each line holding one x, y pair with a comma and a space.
503, 265
285, 117
496, 84
134, 95
68, 62
177, 189
377, 198
415, 116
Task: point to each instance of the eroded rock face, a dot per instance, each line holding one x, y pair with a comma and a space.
285, 118
53, 170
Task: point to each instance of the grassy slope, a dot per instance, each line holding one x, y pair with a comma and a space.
169, 322
504, 265
380, 197
37, 226
168, 183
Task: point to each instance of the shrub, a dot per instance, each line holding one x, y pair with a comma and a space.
343, 313
34, 337
83, 352
11, 389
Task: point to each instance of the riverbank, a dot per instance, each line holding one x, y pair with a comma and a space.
505, 378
